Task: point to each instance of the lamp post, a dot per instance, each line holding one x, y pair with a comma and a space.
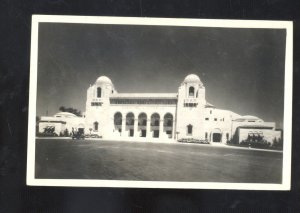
177, 135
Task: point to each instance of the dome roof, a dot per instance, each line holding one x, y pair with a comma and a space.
192, 78
103, 79
250, 117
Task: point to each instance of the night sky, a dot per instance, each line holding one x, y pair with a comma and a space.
242, 69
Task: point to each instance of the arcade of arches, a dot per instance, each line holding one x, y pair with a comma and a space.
183, 114
143, 125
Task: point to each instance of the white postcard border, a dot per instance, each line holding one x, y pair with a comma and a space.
225, 23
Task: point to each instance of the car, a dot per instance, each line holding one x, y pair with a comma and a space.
78, 135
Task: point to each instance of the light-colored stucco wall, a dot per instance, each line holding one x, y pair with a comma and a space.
61, 123
268, 134
205, 119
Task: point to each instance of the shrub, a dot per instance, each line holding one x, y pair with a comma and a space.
277, 143
193, 140
45, 134
66, 133
261, 143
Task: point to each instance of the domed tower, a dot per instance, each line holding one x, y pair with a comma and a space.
190, 108
97, 106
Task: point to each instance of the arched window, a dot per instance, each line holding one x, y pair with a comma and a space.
168, 120
96, 126
142, 119
189, 129
98, 92
191, 92
118, 119
130, 119
155, 119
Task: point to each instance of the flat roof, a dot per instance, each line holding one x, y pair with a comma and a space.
145, 95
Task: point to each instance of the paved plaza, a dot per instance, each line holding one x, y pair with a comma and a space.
119, 160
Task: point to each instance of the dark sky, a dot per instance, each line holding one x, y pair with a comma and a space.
242, 69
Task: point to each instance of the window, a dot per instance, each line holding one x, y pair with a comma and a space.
227, 136
96, 103
190, 104
210, 111
118, 119
96, 126
215, 119
189, 129
98, 92
144, 122
169, 123
168, 120
191, 92
206, 135
207, 119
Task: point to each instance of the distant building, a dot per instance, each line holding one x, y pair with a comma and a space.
166, 116
60, 122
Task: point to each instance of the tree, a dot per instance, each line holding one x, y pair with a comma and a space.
37, 119
62, 109
71, 110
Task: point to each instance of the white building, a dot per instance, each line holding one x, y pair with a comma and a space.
60, 122
167, 116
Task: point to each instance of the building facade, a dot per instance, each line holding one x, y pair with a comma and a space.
60, 122
166, 116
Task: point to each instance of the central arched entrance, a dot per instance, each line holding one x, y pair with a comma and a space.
142, 124
216, 136
155, 118
130, 124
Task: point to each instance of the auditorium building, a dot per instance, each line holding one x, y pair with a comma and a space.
166, 116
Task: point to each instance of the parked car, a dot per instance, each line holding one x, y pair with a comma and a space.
78, 135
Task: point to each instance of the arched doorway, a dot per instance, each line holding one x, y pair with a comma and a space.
95, 126
189, 130
118, 122
142, 124
130, 124
155, 118
168, 124
216, 136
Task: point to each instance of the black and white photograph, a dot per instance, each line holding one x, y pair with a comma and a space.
160, 103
